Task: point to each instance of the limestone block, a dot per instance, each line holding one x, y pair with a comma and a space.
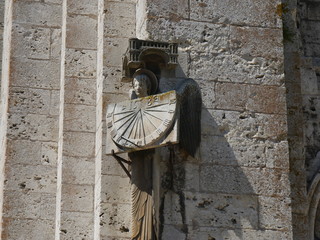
33, 127
312, 49
172, 10
232, 68
81, 32
54, 103
207, 38
224, 179
79, 144
277, 155
120, 19
268, 182
78, 170
250, 42
233, 124
80, 91
32, 152
30, 100
227, 179
30, 42
115, 49
248, 12
28, 229
28, 205
81, 63
76, 225
311, 107
114, 220
112, 81
172, 232
238, 152
37, 13
172, 210
310, 31
236, 234
191, 181
77, 198
56, 41
31, 178
119, 194
79, 118
111, 167
275, 213
35, 73
82, 7
314, 11
263, 99
220, 210
208, 92
309, 81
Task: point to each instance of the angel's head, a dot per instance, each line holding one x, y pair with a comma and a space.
141, 85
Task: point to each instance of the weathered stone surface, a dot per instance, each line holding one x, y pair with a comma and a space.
35, 73
114, 220
116, 48
120, 19
76, 225
79, 144
37, 13
81, 32
31, 178
77, 198
219, 210
249, 12
29, 205
75, 171
29, 229
80, 91
31, 42
79, 118
82, 7
110, 194
33, 127
80, 63
236, 234
226, 179
33, 153
274, 213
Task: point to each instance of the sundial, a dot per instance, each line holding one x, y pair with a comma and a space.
142, 123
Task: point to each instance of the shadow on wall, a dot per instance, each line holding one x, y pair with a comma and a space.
211, 197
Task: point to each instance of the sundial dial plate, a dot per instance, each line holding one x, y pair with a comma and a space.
142, 123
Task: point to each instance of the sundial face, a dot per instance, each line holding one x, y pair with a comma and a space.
141, 122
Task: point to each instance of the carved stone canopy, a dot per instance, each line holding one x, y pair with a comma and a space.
149, 55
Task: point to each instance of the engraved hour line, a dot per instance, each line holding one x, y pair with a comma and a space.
126, 122
124, 117
153, 116
130, 141
151, 121
144, 134
130, 124
149, 128
137, 126
123, 112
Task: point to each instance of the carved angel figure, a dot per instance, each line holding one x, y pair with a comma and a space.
143, 225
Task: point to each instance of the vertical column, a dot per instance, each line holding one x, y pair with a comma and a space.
119, 26
29, 119
78, 125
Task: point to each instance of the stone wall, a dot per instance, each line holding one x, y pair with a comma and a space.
235, 53
66, 66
